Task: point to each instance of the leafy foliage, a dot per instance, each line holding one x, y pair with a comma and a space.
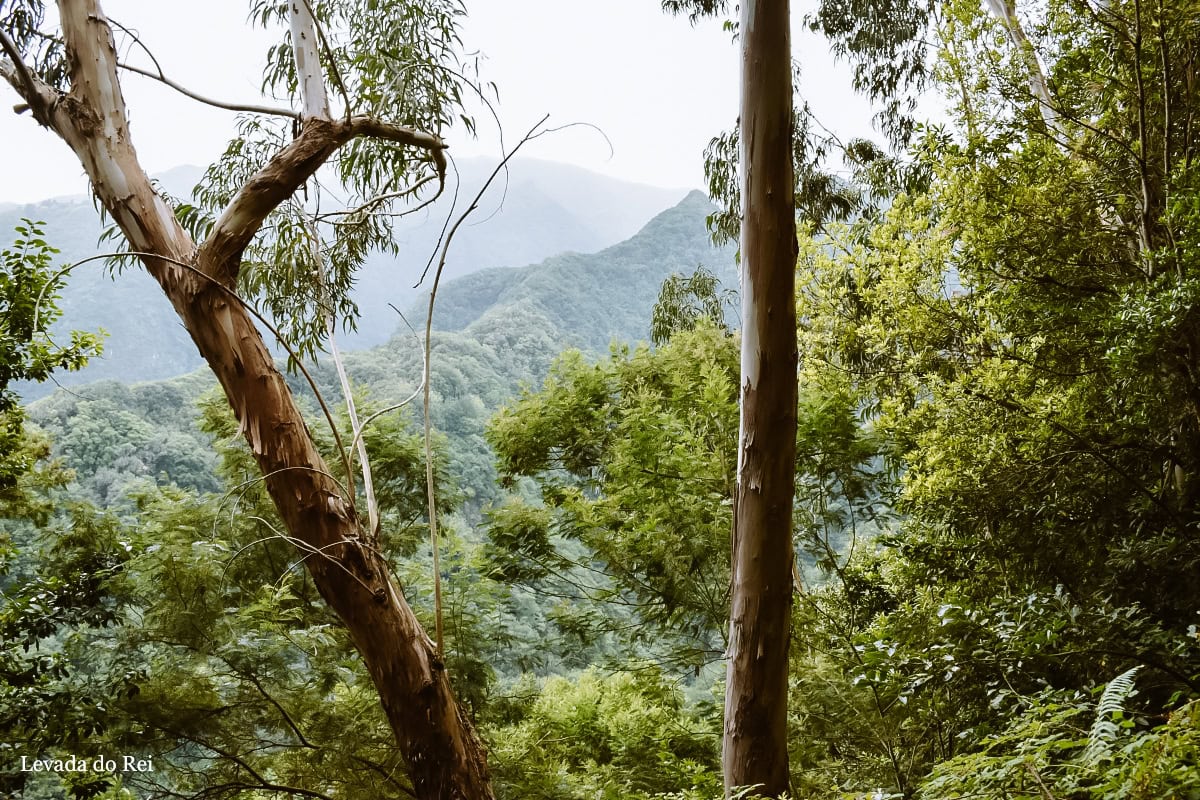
625, 735
28, 292
24, 20
1046, 751
634, 458
684, 301
620, 474
1109, 710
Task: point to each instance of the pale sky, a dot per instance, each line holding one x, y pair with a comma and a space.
658, 87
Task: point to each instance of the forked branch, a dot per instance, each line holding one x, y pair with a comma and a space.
287, 171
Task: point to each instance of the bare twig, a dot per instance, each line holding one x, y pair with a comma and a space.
244, 486
429, 478
370, 205
253, 109
396, 406
161, 77
291, 723
1037, 777
300, 545
347, 391
445, 226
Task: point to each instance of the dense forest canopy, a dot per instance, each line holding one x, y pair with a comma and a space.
996, 584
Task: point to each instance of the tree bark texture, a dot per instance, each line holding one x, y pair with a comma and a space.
306, 52
754, 749
445, 758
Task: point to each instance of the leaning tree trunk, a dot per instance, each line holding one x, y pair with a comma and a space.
754, 749
444, 756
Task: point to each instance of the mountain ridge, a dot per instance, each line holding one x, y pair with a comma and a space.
546, 208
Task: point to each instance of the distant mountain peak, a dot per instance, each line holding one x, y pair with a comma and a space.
687, 217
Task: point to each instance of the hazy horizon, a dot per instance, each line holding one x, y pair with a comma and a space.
654, 87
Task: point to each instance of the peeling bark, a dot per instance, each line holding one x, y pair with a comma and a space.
307, 54
445, 757
754, 750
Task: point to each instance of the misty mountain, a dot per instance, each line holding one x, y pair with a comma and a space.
537, 210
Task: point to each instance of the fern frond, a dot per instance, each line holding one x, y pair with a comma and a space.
1112, 704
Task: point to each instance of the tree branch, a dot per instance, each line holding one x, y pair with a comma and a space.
160, 76
92, 119
285, 173
425, 379
39, 97
362, 125
183, 90
387, 775
333, 67
1005, 12
337, 217
291, 723
313, 97
262, 782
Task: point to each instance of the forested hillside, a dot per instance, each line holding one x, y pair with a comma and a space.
498, 330
542, 551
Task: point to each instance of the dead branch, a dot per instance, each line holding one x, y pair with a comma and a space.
39, 96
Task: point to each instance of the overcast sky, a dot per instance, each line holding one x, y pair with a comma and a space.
658, 87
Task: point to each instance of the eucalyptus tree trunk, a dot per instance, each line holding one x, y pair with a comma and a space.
1005, 11
754, 751
444, 756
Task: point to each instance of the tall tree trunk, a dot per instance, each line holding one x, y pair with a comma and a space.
755, 738
1005, 11
445, 758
